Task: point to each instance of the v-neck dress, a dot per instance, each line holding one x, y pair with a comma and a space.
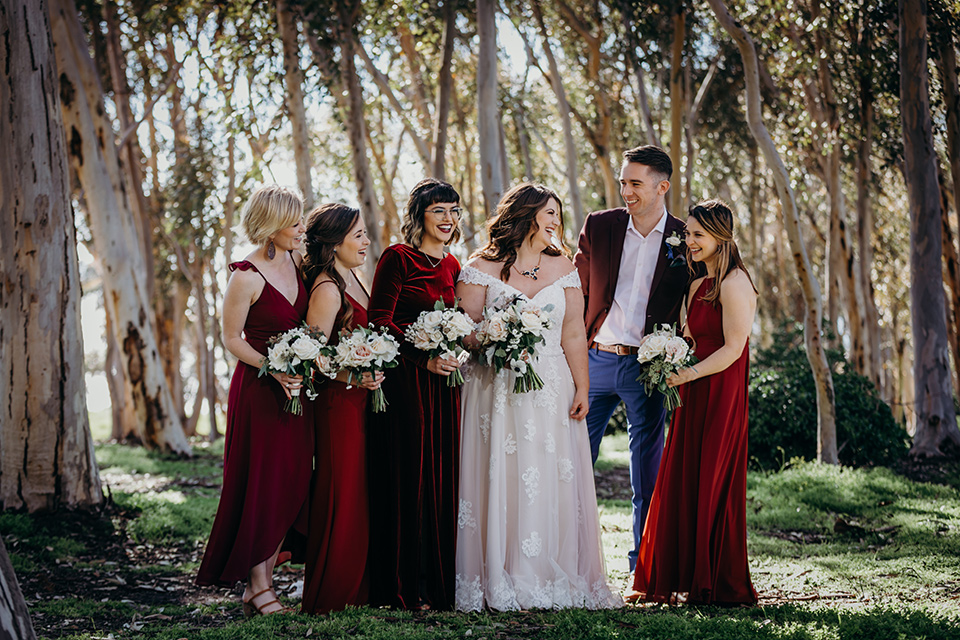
267, 454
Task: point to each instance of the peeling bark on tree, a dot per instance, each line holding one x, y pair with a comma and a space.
46, 452
936, 420
488, 108
813, 313
93, 155
293, 79
15, 622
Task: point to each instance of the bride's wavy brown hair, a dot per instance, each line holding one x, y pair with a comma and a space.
716, 218
328, 226
515, 220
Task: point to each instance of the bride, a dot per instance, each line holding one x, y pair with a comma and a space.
529, 533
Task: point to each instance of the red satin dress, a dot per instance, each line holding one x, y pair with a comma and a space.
695, 539
338, 533
267, 455
414, 446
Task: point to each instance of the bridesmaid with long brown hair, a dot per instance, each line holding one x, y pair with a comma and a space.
337, 535
415, 445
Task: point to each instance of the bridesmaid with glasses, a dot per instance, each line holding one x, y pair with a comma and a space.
415, 446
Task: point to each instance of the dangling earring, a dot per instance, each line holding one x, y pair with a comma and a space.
271, 250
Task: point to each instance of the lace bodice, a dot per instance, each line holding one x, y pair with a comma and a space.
499, 293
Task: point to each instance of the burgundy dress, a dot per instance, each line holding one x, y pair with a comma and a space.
338, 533
414, 446
695, 539
267, 454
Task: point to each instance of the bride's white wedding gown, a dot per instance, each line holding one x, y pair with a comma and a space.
529, 532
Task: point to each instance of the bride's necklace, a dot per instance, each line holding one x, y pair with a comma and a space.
530, 273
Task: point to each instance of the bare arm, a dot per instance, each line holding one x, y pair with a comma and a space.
739, 302
322, 313
243, 289
472, 298
573, 340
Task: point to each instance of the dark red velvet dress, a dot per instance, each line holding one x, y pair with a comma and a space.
695, 538
414, 446
267, 455
338, 533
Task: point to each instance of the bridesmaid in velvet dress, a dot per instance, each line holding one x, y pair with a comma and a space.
267, 452
415, 445
337, 534
694, 546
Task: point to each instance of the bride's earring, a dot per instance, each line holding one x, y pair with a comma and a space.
271, 250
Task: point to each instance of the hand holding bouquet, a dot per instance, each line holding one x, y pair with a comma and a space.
440, 333
662, 354
295, 353
509, 336
367, 350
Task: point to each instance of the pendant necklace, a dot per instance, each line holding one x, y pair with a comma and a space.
530, 273
433, 264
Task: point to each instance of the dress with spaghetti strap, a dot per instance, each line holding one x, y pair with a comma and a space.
267, 454
335, 572
694, 544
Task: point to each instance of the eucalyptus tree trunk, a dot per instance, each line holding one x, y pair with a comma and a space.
947, 68
951, 268
646, 117
356, 126
442, 111
93, 155
293, 79
488, 109
936, 420
865, 227
14, 617
563, 106
813, 313
46, 452
677, 107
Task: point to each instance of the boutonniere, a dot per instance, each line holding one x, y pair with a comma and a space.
674, 254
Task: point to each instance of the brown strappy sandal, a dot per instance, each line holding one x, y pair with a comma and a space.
250, 609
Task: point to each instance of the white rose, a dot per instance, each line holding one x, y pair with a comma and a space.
305, 348
531, 322
433, 319
673, 241
379, 345
656, 343
496, 329
278, 357
459, 325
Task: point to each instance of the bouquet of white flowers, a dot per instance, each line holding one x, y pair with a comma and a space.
367, 349
295, 352
509, 336
662, 354
440, 333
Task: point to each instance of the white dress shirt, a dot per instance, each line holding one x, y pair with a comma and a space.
628, 313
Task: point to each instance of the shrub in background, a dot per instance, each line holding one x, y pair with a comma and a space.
783, 409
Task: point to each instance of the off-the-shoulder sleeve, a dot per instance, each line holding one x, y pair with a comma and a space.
472, 275
572, 279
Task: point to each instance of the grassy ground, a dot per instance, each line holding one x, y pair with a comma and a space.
835, 554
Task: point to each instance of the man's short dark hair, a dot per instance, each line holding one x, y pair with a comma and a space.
651, 156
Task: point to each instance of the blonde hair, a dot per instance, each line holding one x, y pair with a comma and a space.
270, 209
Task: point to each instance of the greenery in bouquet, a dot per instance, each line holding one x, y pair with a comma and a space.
295, 353
440, 333
662, 354
508, 339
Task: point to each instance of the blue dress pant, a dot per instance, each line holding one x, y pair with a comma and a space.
613, 379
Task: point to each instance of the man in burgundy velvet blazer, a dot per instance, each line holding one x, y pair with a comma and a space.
634, 276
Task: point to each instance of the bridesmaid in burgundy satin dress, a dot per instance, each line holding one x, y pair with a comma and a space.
338, 531
415, 445
694, 545
267, 452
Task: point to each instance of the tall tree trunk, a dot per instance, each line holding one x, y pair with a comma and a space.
124, 420
46, 452
293, 79
442, 112
865, 226
813, 315
947, 68
646, 117
951, 268
936, 420
563, 106
15, 620
677, 107
523, 140
356, 127
92, 152
488, 108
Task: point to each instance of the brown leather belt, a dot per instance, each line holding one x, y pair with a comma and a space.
619, 349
